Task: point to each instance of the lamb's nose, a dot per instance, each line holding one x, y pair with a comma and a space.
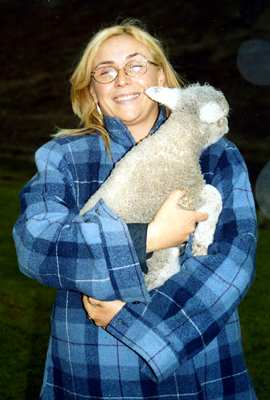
152, 91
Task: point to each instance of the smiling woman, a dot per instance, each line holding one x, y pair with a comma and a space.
124, 97
105, 50
110, 337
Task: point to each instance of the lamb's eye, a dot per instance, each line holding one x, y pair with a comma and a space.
221, 122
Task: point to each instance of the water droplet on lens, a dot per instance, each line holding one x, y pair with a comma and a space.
253, 61
262, 190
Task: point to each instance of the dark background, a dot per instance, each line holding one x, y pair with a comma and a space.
40, 43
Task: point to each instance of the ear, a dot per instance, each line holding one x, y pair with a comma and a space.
93, 93
211, 112
161, 78
167, 96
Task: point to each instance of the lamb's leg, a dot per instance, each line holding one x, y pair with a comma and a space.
162, 265
204, 233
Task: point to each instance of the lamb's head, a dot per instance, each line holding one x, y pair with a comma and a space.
202, 101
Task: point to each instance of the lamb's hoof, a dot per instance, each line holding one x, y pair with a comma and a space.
199, 249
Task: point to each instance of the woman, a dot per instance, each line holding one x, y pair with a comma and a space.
110, 338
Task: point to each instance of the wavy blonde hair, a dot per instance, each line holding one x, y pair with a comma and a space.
83, 104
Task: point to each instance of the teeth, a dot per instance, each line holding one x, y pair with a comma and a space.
126, 97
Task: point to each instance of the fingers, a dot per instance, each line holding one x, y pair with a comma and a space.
85, 301
195, 218
88, 305
101, 312
201, 216
94, 302
176, 195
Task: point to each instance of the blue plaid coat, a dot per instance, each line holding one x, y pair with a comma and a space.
180, 341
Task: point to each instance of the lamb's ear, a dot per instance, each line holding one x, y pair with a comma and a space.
211, 112
167, 96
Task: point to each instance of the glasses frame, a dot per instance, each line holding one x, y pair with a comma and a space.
124, 68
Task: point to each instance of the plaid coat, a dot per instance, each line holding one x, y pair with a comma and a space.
180, 341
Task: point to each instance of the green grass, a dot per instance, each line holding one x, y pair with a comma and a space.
255, 319
24, 312
25, 308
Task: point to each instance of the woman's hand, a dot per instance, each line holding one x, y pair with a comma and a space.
172, 225
101, 312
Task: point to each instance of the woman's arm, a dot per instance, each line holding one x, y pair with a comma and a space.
93, 254
193, 306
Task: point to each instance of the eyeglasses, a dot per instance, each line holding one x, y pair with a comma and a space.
134, 68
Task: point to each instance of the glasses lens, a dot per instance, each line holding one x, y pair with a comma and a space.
105, 74
136, 67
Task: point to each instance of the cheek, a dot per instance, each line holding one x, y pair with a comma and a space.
149, 80
100, 93
105, 102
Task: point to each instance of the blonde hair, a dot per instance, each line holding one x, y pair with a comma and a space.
83, 104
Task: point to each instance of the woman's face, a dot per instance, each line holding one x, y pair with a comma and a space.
124, 97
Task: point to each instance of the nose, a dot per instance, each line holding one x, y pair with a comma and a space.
122, 78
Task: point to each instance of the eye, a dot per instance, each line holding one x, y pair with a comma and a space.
221, 121
136, 66
105, 71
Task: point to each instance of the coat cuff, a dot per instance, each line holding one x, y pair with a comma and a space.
160, 360
123, 267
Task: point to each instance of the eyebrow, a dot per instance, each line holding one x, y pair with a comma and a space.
127, 57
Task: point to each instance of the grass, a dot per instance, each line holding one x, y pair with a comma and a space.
255, 319
25, 308
24, 312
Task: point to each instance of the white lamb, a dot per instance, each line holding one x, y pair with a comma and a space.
169, 160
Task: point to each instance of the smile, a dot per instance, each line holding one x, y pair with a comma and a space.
126, 97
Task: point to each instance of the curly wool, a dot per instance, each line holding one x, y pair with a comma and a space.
168, 160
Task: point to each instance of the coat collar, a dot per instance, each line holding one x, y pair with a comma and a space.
121, 134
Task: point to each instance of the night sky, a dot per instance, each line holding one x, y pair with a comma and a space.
41, 42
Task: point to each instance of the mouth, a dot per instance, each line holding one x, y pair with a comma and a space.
127, 97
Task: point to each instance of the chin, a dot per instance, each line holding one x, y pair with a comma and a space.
128, 118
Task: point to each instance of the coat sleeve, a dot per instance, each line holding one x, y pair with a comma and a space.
190, 309
93, 254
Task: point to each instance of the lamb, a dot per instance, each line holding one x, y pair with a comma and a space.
168, 160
